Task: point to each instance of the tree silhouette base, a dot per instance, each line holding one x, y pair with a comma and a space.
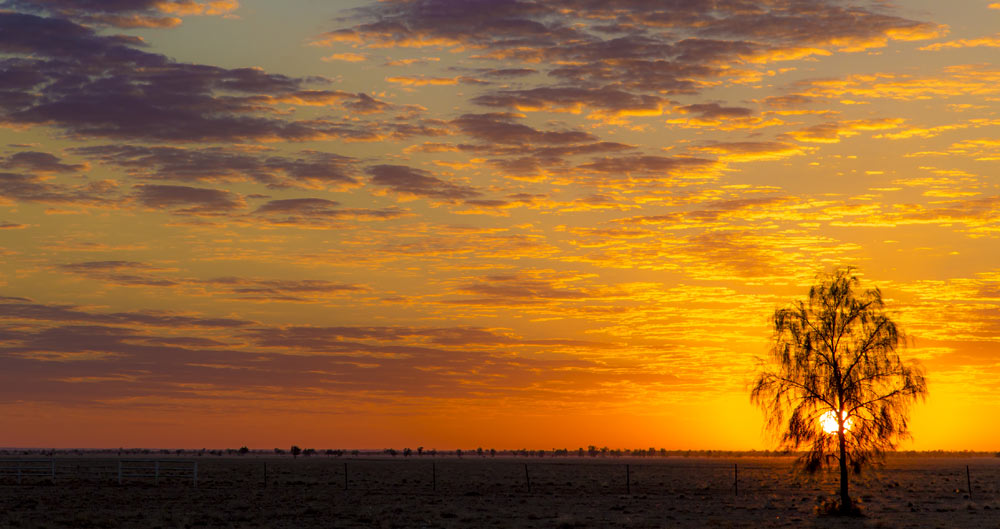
834, 508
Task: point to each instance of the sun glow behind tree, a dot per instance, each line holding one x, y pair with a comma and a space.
835, 383
830, 424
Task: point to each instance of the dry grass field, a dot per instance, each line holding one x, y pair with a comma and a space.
471, 492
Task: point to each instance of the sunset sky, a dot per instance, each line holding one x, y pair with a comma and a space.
497, 223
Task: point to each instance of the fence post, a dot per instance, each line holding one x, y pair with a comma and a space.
527, 478
968, 480
628, 480
119, 471
736, 479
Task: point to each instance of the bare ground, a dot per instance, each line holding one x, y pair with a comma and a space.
418, 492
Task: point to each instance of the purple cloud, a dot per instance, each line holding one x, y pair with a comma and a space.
503, 128
66, 75
188, 200
219, 164
39, 162
318, 212
408, 180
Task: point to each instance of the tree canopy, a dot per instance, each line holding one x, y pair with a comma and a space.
834, 363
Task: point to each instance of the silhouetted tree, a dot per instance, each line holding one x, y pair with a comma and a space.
295, 450
834, 363
244, 450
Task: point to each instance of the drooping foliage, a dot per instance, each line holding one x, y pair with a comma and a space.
836, 353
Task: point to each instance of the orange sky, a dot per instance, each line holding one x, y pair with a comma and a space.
460, 223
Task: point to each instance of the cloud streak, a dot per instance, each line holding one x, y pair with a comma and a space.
469, 208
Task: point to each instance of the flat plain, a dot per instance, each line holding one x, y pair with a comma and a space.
469, 492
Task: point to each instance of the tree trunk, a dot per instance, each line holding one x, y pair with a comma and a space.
845, 498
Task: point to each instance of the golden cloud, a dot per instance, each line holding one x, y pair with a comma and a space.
832, 132
345, 57
423, 81
190, 7
990, 42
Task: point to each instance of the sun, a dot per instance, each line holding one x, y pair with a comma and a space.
829, 422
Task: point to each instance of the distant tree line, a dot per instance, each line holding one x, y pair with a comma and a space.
590, 451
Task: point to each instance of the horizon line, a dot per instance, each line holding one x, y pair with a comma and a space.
429, 452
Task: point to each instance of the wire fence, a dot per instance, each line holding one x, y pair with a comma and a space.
27, 469
480, 477
98, 471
